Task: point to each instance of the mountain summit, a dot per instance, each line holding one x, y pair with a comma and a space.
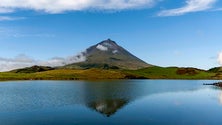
109, 55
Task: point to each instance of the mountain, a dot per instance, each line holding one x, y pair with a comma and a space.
109, 55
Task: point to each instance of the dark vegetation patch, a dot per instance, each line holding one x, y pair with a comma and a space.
33, 69
187, 71
114, 59
216, 70
99, 66
130, 76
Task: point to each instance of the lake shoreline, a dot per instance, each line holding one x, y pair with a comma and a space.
218, 84
102, 79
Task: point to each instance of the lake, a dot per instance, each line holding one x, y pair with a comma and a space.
129, 102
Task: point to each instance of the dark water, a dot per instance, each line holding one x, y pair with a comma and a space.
134, 102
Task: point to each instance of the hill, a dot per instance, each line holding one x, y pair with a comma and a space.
216, 70
170, 73
32, 69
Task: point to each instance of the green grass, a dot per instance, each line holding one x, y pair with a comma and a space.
64, 74
146, 73
170, 73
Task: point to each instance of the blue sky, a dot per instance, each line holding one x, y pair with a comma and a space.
186, 33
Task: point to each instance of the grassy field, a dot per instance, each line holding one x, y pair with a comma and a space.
63, 74
147, 73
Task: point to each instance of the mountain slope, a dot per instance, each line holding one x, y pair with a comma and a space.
109, 55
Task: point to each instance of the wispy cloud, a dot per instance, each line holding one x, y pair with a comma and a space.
45, 35
59, 61
191, 6
58, 6
21, 61
9, 18
5, 10
219, 58
217, 9
12, 32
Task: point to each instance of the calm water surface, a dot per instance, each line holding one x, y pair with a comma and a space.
133, 102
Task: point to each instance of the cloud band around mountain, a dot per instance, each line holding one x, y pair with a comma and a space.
22, 61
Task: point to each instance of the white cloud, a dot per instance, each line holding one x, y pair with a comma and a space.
58, 6
219, 9
219, 58
101, 47
115, 51
19, 61
191, 6
17, 35
22, 61
8, 18
81, 57
58, 61
5, 10
220, 97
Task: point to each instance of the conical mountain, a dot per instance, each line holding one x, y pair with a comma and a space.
109, 55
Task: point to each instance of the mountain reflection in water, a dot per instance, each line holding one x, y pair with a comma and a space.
108, 107
105, 97
110, 96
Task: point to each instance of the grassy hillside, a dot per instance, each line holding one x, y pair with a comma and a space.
64, 74
146, 73
171, 73
215, 70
